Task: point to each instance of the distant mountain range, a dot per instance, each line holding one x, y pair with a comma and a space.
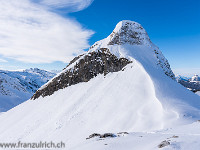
192, 84
18, 86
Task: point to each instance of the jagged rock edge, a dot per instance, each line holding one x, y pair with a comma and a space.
84, 68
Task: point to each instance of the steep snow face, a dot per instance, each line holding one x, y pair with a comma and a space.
198, 93
130, 100
136, 96
133, 35
18, 86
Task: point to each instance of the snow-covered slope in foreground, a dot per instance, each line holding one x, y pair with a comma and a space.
142, 97
184, 137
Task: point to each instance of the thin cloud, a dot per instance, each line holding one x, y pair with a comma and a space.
73, 5
31, 33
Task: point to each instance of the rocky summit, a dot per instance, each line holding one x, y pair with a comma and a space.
101, 59
129, 32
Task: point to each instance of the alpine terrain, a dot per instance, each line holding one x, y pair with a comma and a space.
119, 95
192, 84
18, 86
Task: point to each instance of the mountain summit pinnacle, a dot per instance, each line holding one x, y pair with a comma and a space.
129, 32
129, 42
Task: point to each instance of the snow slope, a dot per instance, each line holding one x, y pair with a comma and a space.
198, 93
143, 97
18, 86
182, 138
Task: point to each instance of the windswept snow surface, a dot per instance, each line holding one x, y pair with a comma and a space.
141, 98
182, 138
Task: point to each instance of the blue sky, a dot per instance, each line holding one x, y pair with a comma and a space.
172, 25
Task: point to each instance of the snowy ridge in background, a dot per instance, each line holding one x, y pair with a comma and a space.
193, 83
18, 86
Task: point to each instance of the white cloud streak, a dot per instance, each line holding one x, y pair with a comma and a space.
31, 33
73, 5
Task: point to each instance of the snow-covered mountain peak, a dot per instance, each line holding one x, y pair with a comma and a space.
130, 40
127, 43
195, 78
33, 69
129, 32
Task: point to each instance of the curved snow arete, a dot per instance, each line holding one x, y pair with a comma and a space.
141, 97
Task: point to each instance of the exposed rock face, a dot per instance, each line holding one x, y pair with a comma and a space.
164, 64
129, 32
105, 135
163, 144
84, 68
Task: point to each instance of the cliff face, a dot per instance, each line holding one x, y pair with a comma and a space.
84, 68
129, 32
164, 64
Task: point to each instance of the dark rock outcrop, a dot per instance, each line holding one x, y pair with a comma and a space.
129, 32
105, 135
164, 64
82, 69
163, 144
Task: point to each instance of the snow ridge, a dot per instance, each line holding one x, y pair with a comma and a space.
125, 33
133, 34
18, 86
